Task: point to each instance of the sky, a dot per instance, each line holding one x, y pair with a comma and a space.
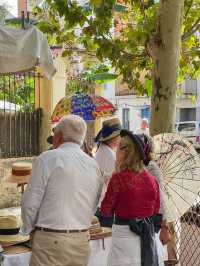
12, 4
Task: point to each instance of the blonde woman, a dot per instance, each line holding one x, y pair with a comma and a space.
133, 198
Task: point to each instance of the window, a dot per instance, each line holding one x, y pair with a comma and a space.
191, 86
187, 114
145, 112
125, 118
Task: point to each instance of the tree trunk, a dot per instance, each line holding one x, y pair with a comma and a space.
164, 47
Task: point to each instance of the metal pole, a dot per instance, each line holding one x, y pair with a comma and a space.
22, 20
28, 17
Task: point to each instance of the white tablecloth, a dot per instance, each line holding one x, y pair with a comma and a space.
98, 255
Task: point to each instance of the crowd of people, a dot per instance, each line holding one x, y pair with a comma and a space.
121, 185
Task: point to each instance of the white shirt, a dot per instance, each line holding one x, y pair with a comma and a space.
106, 158
141, 131
63, 191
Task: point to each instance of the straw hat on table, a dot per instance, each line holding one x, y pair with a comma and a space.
21, 172
9, 229
13, 250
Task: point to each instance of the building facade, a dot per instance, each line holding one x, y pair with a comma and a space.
132, 108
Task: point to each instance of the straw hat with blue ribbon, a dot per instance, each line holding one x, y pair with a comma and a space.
111, 129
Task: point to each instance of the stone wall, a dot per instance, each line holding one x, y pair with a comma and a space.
10, 194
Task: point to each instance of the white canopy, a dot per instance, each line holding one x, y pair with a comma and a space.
22, 49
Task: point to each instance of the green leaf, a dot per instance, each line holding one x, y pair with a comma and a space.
127, 50
148, 85
104, 77
120, 8
193, 98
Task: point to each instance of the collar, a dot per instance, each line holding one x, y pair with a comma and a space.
105, 146
69, 144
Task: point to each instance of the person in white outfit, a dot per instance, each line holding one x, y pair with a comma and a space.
61, 198
108, 137
144, 127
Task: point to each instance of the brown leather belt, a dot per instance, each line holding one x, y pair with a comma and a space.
60, 231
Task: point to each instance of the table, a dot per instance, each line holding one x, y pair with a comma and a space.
98, 255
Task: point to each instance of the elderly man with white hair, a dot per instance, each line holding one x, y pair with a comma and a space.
61, 198
144, 127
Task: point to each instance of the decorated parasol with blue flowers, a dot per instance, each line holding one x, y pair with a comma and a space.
88, 106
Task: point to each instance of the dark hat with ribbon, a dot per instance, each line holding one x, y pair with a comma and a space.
111, 128
148, 146
136, 140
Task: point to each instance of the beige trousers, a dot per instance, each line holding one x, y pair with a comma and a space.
58, 249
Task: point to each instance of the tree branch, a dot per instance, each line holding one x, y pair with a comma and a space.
189, 7
80, 51
192, 30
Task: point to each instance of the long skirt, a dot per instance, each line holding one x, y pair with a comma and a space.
125, 248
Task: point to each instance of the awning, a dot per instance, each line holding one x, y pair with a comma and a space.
23, 49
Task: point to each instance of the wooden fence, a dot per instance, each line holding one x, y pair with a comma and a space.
20, 133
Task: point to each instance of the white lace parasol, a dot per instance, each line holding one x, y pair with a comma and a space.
180, 166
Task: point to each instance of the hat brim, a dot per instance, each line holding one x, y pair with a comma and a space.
12, 250
135, 139
18, 179
112, 136
13, 239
